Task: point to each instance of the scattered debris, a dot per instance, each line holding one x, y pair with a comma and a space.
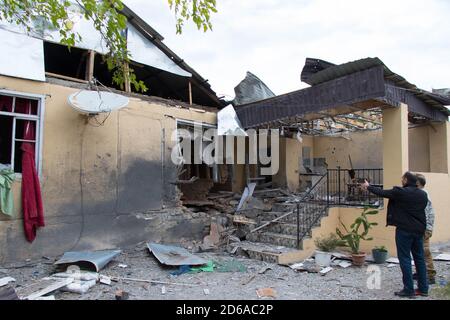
393, 261
342, 263
8, 293
306, 266
79, 286
238, 219
42, 287
206, 292
442, 257
163, 290
96, 259
46, 298
123, 266
122, 295
4, 281
212, 240
75, 273
153, 281
246, 196
174, 256
230, 266
297, 266
266, 293
247, 281
209, 267
105, 280
325, 271
342, 256
264, 269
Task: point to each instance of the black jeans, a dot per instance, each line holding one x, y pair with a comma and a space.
408, 243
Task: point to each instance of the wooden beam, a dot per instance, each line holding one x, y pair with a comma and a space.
60, 76
126, 74
190, 92
90, 65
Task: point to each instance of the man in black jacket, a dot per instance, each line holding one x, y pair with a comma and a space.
406, 211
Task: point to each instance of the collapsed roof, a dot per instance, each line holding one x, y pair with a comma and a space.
166, 73
361, 85
251, 89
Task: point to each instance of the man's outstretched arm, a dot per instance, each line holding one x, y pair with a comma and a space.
389, 194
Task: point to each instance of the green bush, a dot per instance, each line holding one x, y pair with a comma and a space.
355, 234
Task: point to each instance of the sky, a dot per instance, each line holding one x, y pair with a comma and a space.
272, 38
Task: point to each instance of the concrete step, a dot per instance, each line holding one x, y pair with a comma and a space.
263, 251
288, 228
276, 239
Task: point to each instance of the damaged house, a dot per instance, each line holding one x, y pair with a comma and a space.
356, 121
107, 179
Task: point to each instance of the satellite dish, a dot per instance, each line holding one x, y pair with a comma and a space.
94, 102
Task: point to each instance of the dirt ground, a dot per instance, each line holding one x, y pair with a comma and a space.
339, 284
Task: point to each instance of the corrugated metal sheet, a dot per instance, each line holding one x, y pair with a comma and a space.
174, 256
98, 259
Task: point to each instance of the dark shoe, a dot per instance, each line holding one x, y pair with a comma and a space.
415, 276
421, 294
404, 294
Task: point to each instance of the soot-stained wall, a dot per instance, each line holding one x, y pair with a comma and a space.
104, 186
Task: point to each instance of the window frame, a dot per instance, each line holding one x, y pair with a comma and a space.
39, 119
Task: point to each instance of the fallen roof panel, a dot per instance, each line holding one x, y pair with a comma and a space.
174, 256
98, 259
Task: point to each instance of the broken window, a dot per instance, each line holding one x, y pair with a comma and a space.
19, 128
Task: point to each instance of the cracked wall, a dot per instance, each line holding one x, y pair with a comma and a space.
103, 186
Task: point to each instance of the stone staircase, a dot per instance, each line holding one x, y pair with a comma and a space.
277, 243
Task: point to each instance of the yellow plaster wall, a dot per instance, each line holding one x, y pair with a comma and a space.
364, 148
83, 165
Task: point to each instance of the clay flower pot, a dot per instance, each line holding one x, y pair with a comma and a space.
359, 259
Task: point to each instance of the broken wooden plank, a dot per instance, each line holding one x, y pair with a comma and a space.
190, 181
270, 222
43, 287
153, 281
243, 220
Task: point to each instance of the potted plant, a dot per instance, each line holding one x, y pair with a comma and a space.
380, 254
358, 231
325, 246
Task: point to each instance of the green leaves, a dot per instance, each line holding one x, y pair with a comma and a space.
199, 11
354, 235
106, 18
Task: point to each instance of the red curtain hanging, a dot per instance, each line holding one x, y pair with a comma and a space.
33, 212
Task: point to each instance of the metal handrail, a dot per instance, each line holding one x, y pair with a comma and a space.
306, 195
304, 199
